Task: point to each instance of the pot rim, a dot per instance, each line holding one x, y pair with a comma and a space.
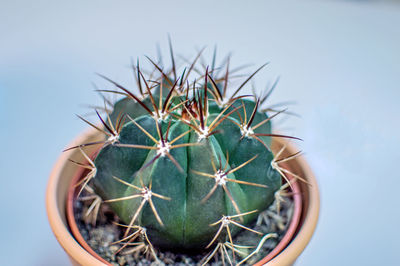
56, 213
54, 208
310, 213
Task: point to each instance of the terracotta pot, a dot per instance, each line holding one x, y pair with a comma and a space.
65, 174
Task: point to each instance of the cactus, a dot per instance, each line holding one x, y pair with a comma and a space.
182, 161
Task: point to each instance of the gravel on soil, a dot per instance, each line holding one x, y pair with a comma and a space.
102, 235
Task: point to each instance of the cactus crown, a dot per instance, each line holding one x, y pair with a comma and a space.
185, 164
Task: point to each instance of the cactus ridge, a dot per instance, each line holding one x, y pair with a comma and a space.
181, 158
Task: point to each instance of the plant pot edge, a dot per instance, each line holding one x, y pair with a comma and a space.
55, 207
56, 210
289, 255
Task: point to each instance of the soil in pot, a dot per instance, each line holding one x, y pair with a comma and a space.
102, 235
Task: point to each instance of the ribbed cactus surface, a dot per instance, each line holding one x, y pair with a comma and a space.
183, 156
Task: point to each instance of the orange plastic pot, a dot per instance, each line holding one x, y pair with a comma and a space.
60, 194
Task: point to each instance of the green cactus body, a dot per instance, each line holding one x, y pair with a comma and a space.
193, 184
